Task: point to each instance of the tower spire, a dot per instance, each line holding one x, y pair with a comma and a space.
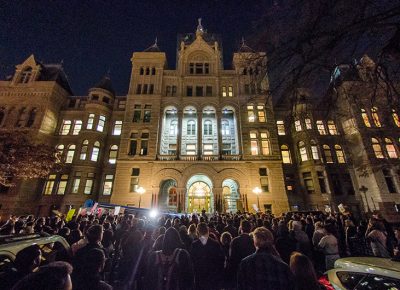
200, 29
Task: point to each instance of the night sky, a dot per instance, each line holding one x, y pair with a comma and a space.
92, 37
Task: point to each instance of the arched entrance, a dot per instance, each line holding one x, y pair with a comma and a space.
230, 192
168, 197
199, 195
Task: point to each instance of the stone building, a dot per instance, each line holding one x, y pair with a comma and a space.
198, 137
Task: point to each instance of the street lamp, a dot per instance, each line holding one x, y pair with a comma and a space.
257, 191
141, 191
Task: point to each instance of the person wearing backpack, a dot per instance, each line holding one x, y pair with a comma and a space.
171, 267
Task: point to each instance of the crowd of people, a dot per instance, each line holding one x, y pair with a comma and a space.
198, 251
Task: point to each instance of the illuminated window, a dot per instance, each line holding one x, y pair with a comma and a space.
250, 113
303, 151
340, 154
375, 117
66, 127
308, 182
77, 127
112, 158
147, 114
327, 153
59, 152
88, 184
224, 92
261, 113
62, 185
95, 151
207, 149
101, 123
321, 127
281, 127
230, 91
391, 150
207, 127
84, 150
76, 182
190, 149
314, 150
286, 158
108, 184
377, 148
173, 128
225, 128
332, 128
395, 117
365, 118
308, 123
48, 187
117, 128
265, 146
253, 143
144, 143
191, 128
297, 125
137, 113
70, 154
90, 122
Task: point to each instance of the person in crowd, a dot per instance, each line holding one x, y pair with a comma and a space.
330, 247
396, 247
309, 227
54, 276
231, 228
192, 232
285, 243
208, 260
377, 238
318, 234
264, 269
170, 268
304, 274
350, 232
303, 242
186, 240
132, 253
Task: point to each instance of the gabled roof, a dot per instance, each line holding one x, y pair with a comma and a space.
105, 84
55, 72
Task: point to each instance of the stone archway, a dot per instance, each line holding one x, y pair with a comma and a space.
168, 195
231, 196
199, 194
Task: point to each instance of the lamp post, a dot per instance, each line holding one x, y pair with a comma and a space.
140, 190
257, 191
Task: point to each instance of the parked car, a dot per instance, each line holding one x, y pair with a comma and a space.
361, 273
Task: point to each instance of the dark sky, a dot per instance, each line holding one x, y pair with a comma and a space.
92, 37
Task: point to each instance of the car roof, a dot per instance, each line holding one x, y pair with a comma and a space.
371, 265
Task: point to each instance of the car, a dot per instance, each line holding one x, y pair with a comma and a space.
53, 248
361, 273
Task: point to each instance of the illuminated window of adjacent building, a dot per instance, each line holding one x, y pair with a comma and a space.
308, 123
332, 128
137, 113
134, 185
62, 185
253, 143
365, 118
308, 182
391, 150
303, 151
90, 122
264, 182
395, 117
101, 123
70, 154
59, 152
230, 91
66, 127
112, 157
77, 127
250, 113
261, 113
76, 182
121, 104
84, 150
48, 187
377, 148
191, 128
321, 127
108, 184
207, 127
224, 91
133, 143
281, 127
89, 184
389, 180
327, 153
286, 158
25, 75
290, 183
144, 143
117, 128
265, 146
314, 150
95, 151
375, 117
340, 154
147, 114
190, 149
297, 125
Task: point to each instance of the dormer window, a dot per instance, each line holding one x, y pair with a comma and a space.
199, 68
25, 75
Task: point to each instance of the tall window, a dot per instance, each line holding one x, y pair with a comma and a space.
31, 118
365, 118
70, 154
297, 125
265, 147
137, 112
207, 127
117, 128
339, 154
76, 182
321, 127
89, 184
230, 91
48, 187
25, 75
332, 128
321, 181
190, 149
389, 180
375, 117
303, 151
147, 114
77, 127
112, 158
224, 92
250, 113
101, 123
191, 128
60, 152
286, 158
225, 128
66, 127
90, 122
172, 196
62, 184
307, 121
199, 68
391, 150
308, 182
21, 122
377, 148
95, 151
281, 127
327, 153
395, 117
133, 143
134, 179
253, 143
314, 150
261, 113
144, 143
84, 150
173, 128
108, 184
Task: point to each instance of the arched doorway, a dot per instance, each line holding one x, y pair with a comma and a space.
199, 195
230, 192
168, 196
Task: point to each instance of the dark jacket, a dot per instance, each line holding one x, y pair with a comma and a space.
241, 247
208, 262
262, 270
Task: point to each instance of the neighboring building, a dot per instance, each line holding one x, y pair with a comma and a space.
197, 137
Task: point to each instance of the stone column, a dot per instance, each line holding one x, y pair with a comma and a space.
199, 134
219, 133
218, 199
179, 135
